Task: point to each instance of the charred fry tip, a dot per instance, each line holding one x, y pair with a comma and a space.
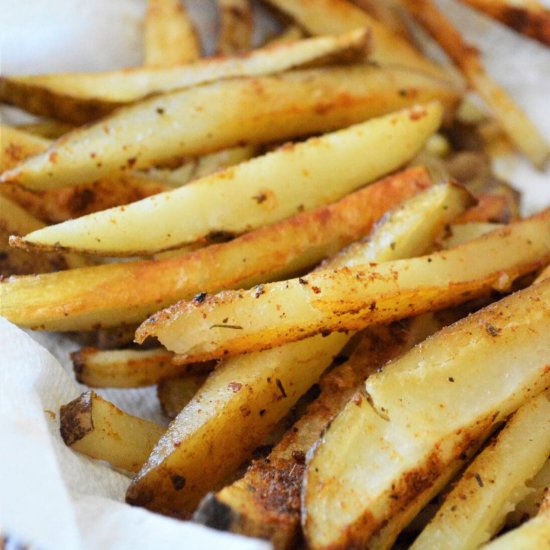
76, 418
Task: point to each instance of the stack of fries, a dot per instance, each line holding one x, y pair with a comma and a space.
349, 331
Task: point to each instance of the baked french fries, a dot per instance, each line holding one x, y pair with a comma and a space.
236, 26
125, 293
125, 368
494, 483
528, 17
464, 232
169, 35
15, 220
321, 17
260, 191
83, 97
265, 502
56, 205
245, 397
95, 427
392, 443
521, 131
174, 393
253, 111
234, 322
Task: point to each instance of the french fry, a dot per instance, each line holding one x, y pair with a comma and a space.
236, 26
48, 129
95, 427
125, 293
527, 17
461, 233
392, 444
490, 209
291, 33
127, 368
515, 122
388, 12
253, 111
345, 299
494, 483
13, 220
263, 190
321, 17
170, 38
56, 205
175, 393
83, 97
246, 396
265, 502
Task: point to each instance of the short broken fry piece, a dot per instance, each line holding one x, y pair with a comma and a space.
328, 300
245, 397
170, 38
260, 191
95, 427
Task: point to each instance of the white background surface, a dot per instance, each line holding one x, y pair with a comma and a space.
50, 496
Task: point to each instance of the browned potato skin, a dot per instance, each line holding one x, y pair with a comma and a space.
110, 295
236, 26
265, 502
528, 20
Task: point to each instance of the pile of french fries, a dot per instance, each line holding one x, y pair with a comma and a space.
303, 247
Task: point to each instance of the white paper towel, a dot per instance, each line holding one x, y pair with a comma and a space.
51, 497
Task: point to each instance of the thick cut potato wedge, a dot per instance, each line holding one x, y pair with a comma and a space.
125, 293
334, 16
494, 483
263, 190
235, 322
223, 114
244, 398
82, 97
236, 26
390, 445
521, 131
175, 393
265, 502
16, 220
170, 38
126, 368
95, 427
56, 205
527, 17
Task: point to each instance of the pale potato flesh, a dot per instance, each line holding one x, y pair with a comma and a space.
494, 483
260, 191
121, 294
207, 118
234, 322
420, 413
246, 396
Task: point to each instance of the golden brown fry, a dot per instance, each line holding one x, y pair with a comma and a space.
389, 13
127, 368
110, 295
170, 37
246, 396
83, 97
524, 16
255, 193
389, 447
95, 427
265, 502
236, 26
491, 209
515, 122
175, 393
335, 16
291, 33
328, 300
48, 129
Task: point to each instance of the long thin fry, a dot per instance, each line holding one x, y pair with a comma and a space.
252, 194
515, 122
234, 322
124, 293
170, 38
82, 97
524, 16
245, 397
236, 26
